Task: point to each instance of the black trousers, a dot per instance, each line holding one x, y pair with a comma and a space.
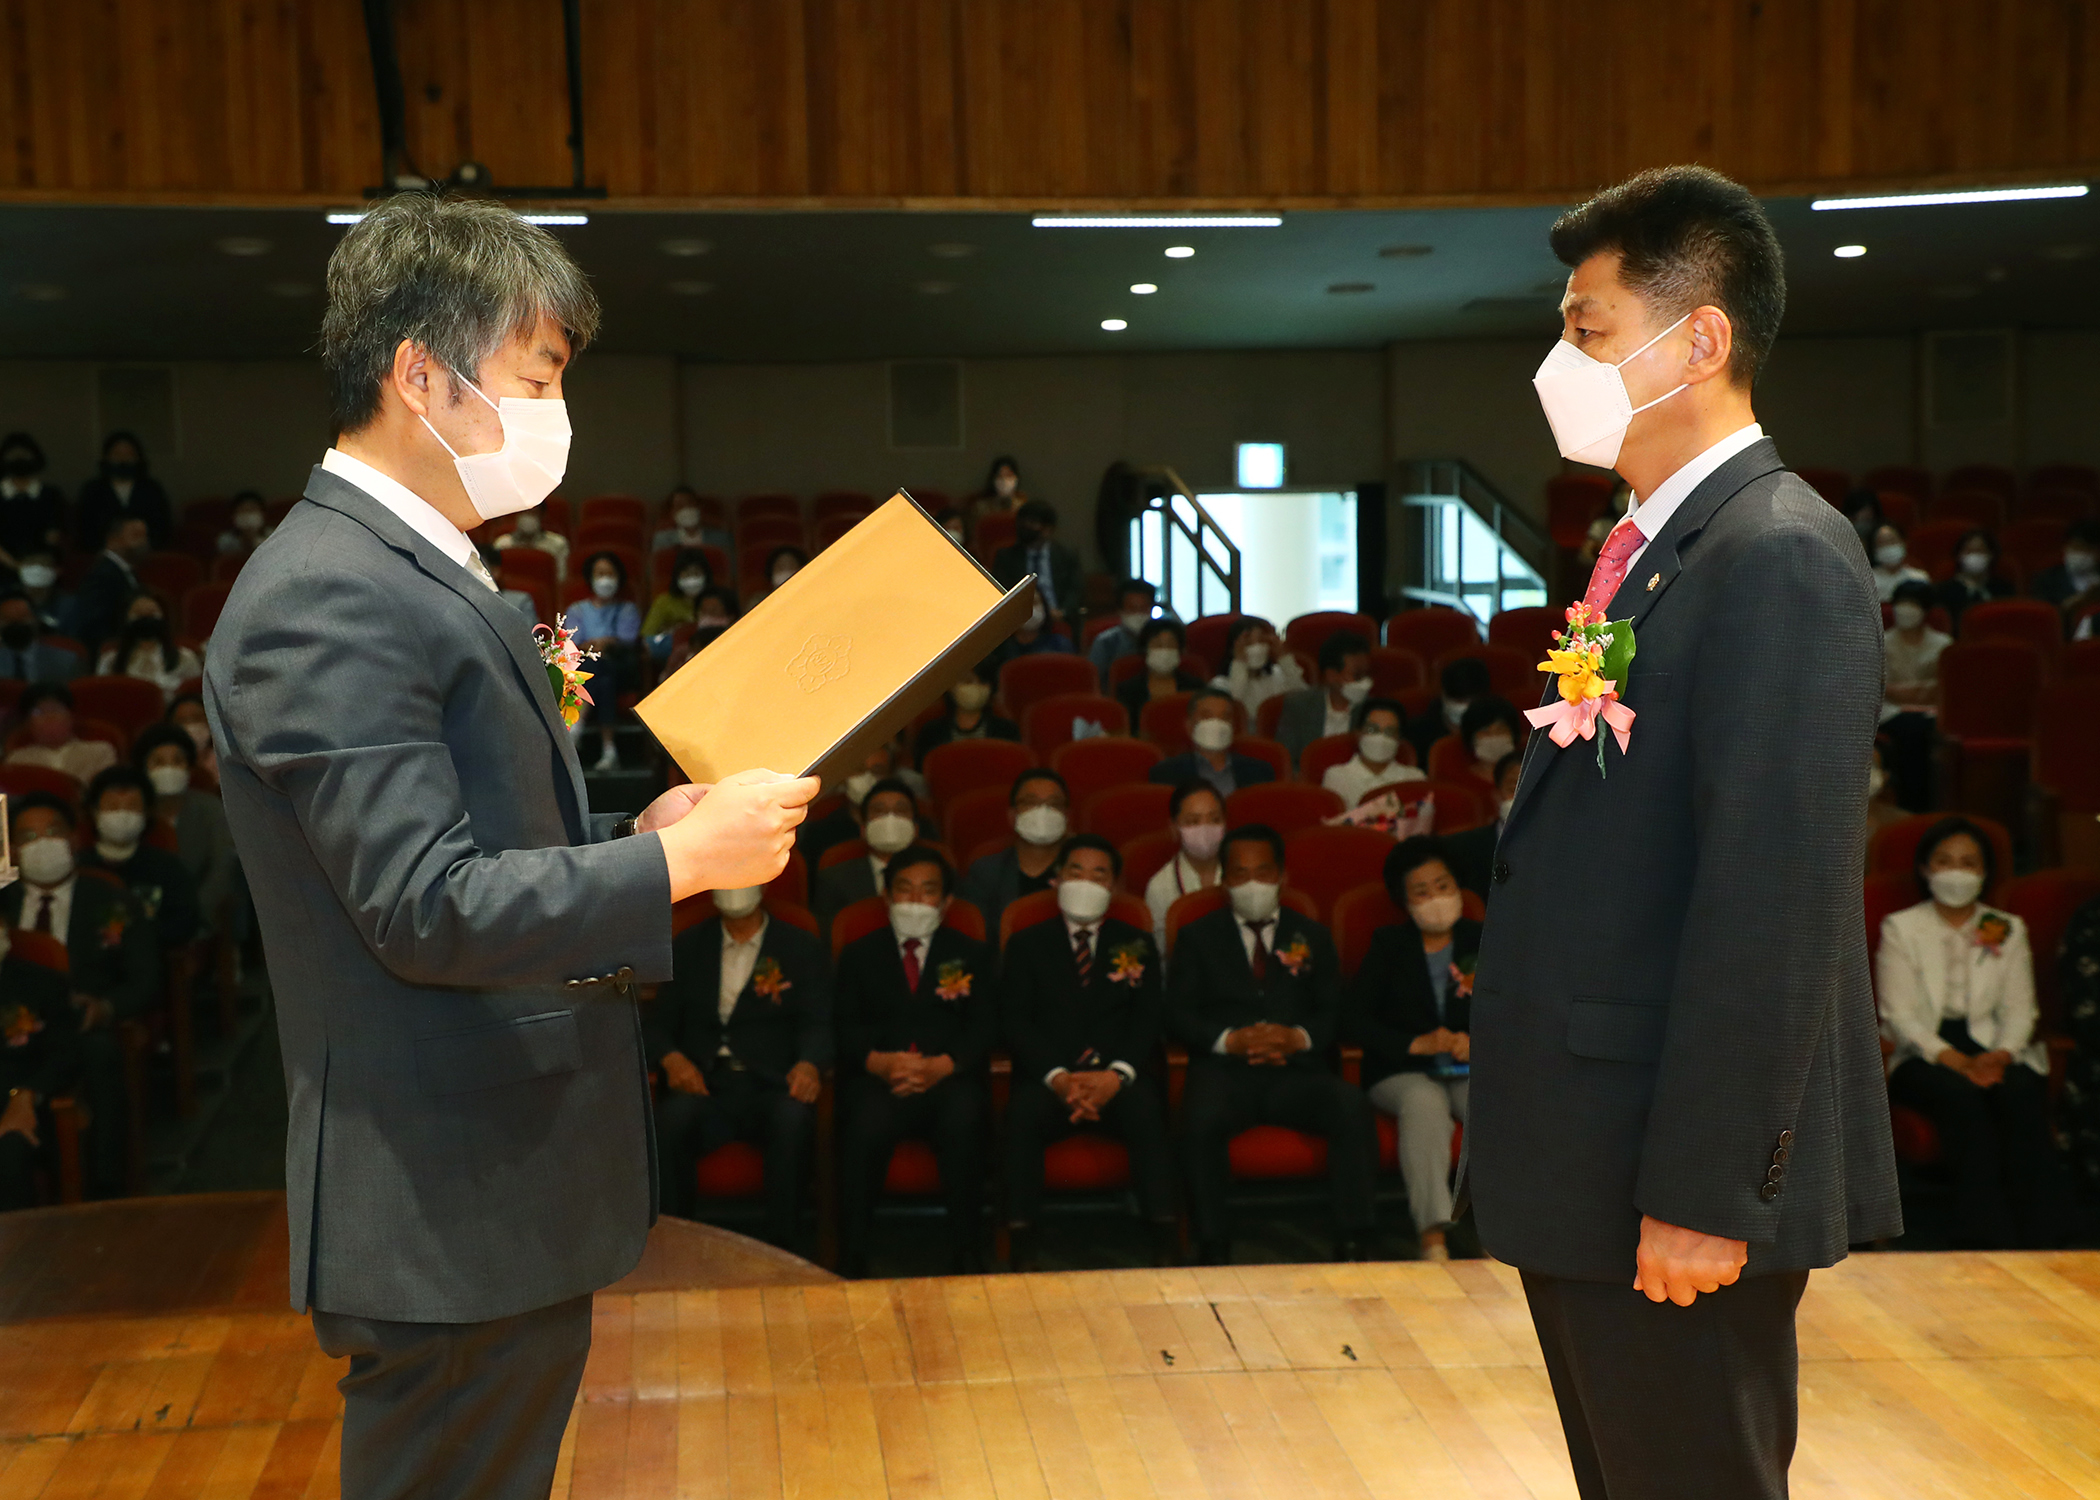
1035, 1117
1223, 1099
107, 1140
1659, 1401
469, 1411
739, 1107
2010, 1186
1909, 759
953, 1116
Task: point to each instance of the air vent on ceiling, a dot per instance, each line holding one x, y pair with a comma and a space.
926, 403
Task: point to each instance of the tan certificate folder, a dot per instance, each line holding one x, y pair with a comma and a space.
841, 656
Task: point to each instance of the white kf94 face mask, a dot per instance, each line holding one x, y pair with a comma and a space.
531, 462
1586, 402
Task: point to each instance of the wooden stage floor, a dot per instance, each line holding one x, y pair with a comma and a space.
146, 1351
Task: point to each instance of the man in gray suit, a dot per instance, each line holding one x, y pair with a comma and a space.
1328, 705
1678, 1106
454, 937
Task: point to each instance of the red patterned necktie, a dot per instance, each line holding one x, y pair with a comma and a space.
1258, 960
911, 964
1083, 954
1613, 559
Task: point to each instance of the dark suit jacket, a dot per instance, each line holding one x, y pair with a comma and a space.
1010, 566
104, 594
839, 887
109, 943
36, 1006
1391, 1002
27, 523
98, 506
1472, 856
996, 882
1136, 692
1054, 1021
1303, 719
874, 1012
42, 662
770, 1033
1708, 1019
165, 889
1213, 989
1247, 770
2053, 585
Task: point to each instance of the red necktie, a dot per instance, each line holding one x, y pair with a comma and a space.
1083, 953
1258, 960
1613, 559
43, 913
911, 964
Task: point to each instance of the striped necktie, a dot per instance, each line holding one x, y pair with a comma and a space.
1083, 954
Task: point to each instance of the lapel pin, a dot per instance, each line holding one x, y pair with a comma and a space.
1653, 580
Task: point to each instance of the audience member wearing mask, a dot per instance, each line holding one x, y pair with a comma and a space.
119, 806
1460, 682
114, 967
1038, 809
123, 489
816, 835
968, 717
1160, 643
187, 714
713, 612
1196, 818
610, 625
32, 512
249, 525
1254, 993
39, 1061
1257, 667
24, 653
2075, 582
1471, 853
111, 583
1329, 706
1080, 999
1490, 729
1863, 510
1037, 550
889, 823
916, 1014
1377, 761
39, 583
1039, 636
679, 604
742, 1035
1892, 567
1135, 600
2078, 1108
1976, 575
145, 649
531, 531
47, 709
950, 520
688, 528
1213, 726
195, 819
1410, 1009
1910, 691
1955, 981
1002, 494
783, 563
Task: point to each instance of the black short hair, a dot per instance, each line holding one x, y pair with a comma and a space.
1464, 678
1937, 835
1408, 856
1035, 773
918, 854
801, 559
2084, 529
1687, 237
1343, 643
1481, 713
1208, 691
153, 736
1240, 627
110, 778
15, 440
590, 566
179, 701
691, 557
125, 435
1003, 461
1039, 512
1254, 833
1979, 533
1153, 628
892, 784
37, 694
29, 801
1369, 706
1915, 591
1188, 789
1137, 586
1092, 841
722, 594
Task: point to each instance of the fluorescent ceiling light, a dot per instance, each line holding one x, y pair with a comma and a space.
345, 218
1114, 325
1180, 252
1849, 252
1181, 221
1981, 195
354, 218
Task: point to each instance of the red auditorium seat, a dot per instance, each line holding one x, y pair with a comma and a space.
1987, 695
130, 703
599, 536
1832, 484
226, 567
1894, 849
873, 914
1327, 862
991, 534
1050, 722
20, 781
542, 594
791, 885
2083, 478
1027, 680
1261, 748
1206, 636
2078, 661
1970, 507
1512, 674
774, 506
1899, 507
969, 765
828, 529
1907, 479
1448, 761
1992, 479
1041, 906
755, 539
2046, 901
1572, 502
528, 563
1285, 806
1358, 913
849, 503
1397, 672
1095, 765
1932, 545
1308, 632
626, 510
171, 574
2034, 543
201, 607
1121, 813
2030, 621
1333, 750
1269, 717
1098, 625
1527, 630
2064, 775
1460, 805
975, 816
2059, 505
1432, 630
1145, 855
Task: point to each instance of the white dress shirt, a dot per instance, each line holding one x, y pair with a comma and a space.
1353, 778
738, 960
1652, 514
1092, 930
1248, 938
1337, 720
61, 898
416, 513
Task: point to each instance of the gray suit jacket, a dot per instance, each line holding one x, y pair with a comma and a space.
1302, 720
470, 1130
1671, 1012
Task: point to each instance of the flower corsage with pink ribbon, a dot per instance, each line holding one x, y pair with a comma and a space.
1590, 658
565, 674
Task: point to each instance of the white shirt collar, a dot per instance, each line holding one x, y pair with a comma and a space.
416, 513
1653, 513
1091, 929
758, 936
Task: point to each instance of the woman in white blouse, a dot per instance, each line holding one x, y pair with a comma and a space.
1196, 816
1257, 669
1956, 986
1377, 760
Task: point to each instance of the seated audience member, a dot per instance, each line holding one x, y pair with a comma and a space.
39, 583
611, 626
1881, 798
187, 714
249, 525
1490, 729
1863, 510
1410, 1009
1038, 637
112, 581
1910, 653
1134, 609
1212, 757
1377, 760
518, 599
1163, 677
1002, 494
1471, 854
1461, 682
1956, 985
1196, 814
915, 1016
879, 764
1080, 998
783, 563
688, 530
119, 808
1976, 575
1329, 705
950, 520
114, 964
146, 649
47, 708
1036, 549
1039, 810
32, 512
123, 490
1255, 996
968, 716
742, 1034
2078, 1111
2069, 585
1595, 534
531, 532
1892, 565
889, 822
1257, 667
678, 604
24, 653
39, 1060
167, 757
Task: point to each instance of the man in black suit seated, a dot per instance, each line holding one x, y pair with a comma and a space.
120, 806
916, 1015
742, 1033
1255, 995
1037, 550
889, 821
24, 654
39, 1059
112, 582
1039, 808
1471, 855
1081, 1002
1213, 759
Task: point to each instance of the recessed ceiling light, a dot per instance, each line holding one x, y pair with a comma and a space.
951, 250
1114, 325
41, 291
1928, 200
1405, 252
1350, 288
1180, 252
2066, 253
291, 289
569, 219
1849, 252
1156, 221
936, 288
691, 288
244, 245
685, 249
1143, 288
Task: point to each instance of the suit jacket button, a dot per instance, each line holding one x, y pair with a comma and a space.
1502, 872
1780, 1156
1786, 1137
1768, 1191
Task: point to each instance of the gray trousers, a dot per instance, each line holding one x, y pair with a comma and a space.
462, 1411
1425, 1108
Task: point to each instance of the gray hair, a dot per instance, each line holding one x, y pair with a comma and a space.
459, 277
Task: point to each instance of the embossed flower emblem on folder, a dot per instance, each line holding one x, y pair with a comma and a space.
822, 660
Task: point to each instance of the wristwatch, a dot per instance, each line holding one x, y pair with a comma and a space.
625, 828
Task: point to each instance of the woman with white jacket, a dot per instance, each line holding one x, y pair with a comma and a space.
1956, 986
